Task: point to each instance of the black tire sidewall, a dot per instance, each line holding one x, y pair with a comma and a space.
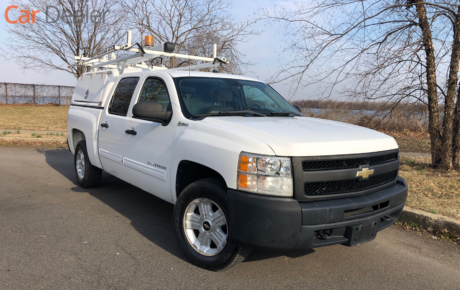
203, 189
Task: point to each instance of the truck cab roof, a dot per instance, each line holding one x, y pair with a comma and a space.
178, 74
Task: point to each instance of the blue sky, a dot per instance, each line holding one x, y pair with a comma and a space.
264, 50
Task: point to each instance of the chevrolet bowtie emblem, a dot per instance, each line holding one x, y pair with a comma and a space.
365, 173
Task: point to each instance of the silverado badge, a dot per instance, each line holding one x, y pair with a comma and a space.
365, 172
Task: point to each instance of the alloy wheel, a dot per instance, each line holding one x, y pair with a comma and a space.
205, 226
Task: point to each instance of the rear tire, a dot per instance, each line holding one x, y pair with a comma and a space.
87, 174
201, 226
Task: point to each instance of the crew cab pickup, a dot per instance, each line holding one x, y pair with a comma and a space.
242, 166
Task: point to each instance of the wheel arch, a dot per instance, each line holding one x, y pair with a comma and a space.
190, 171
77, 136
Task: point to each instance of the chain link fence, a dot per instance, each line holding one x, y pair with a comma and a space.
11, 93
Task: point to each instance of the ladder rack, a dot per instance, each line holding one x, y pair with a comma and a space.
142, 55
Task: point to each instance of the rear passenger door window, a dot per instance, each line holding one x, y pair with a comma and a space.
121, 98
155, 90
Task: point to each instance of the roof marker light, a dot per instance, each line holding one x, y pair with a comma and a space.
149, 40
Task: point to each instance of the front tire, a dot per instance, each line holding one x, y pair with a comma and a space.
87, 174
201, 226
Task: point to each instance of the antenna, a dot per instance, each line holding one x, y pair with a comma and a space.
189, 80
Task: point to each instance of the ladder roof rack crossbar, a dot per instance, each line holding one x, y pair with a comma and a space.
145, 54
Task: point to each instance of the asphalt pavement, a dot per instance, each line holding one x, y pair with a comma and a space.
55, 235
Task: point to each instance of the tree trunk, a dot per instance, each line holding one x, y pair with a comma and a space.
456, 136
449, 104
433, 118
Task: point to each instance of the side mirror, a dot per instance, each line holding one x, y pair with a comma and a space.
151, 111
297, 108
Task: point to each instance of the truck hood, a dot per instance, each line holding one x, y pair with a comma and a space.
305, 136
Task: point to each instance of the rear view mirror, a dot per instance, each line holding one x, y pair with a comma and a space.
151, 111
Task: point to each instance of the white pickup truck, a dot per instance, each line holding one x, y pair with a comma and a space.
243, 167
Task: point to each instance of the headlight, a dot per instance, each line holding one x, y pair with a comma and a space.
265, 174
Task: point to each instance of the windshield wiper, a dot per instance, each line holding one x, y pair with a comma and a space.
287, 114
233, 113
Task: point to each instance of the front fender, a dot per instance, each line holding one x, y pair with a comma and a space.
214, 148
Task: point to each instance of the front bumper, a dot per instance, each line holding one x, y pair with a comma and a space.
284, 223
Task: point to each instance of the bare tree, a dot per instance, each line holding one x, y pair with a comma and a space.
63, 29
392, 50
193, 25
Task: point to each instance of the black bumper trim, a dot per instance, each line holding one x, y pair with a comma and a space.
332, 211
264, 221
308, 238
284, 223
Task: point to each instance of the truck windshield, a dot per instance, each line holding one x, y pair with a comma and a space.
200, 96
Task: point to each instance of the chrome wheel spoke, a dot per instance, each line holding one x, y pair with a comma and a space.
192, 221
219, 238
219, 218
205, 208
204, 240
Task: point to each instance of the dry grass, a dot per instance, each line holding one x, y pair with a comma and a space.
34, 144
382, 116
32, 117
431, 190
397, 121
33, 139
18, 135
360, 105
412, 142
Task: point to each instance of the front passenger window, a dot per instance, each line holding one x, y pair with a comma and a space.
255, 98
155, 90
